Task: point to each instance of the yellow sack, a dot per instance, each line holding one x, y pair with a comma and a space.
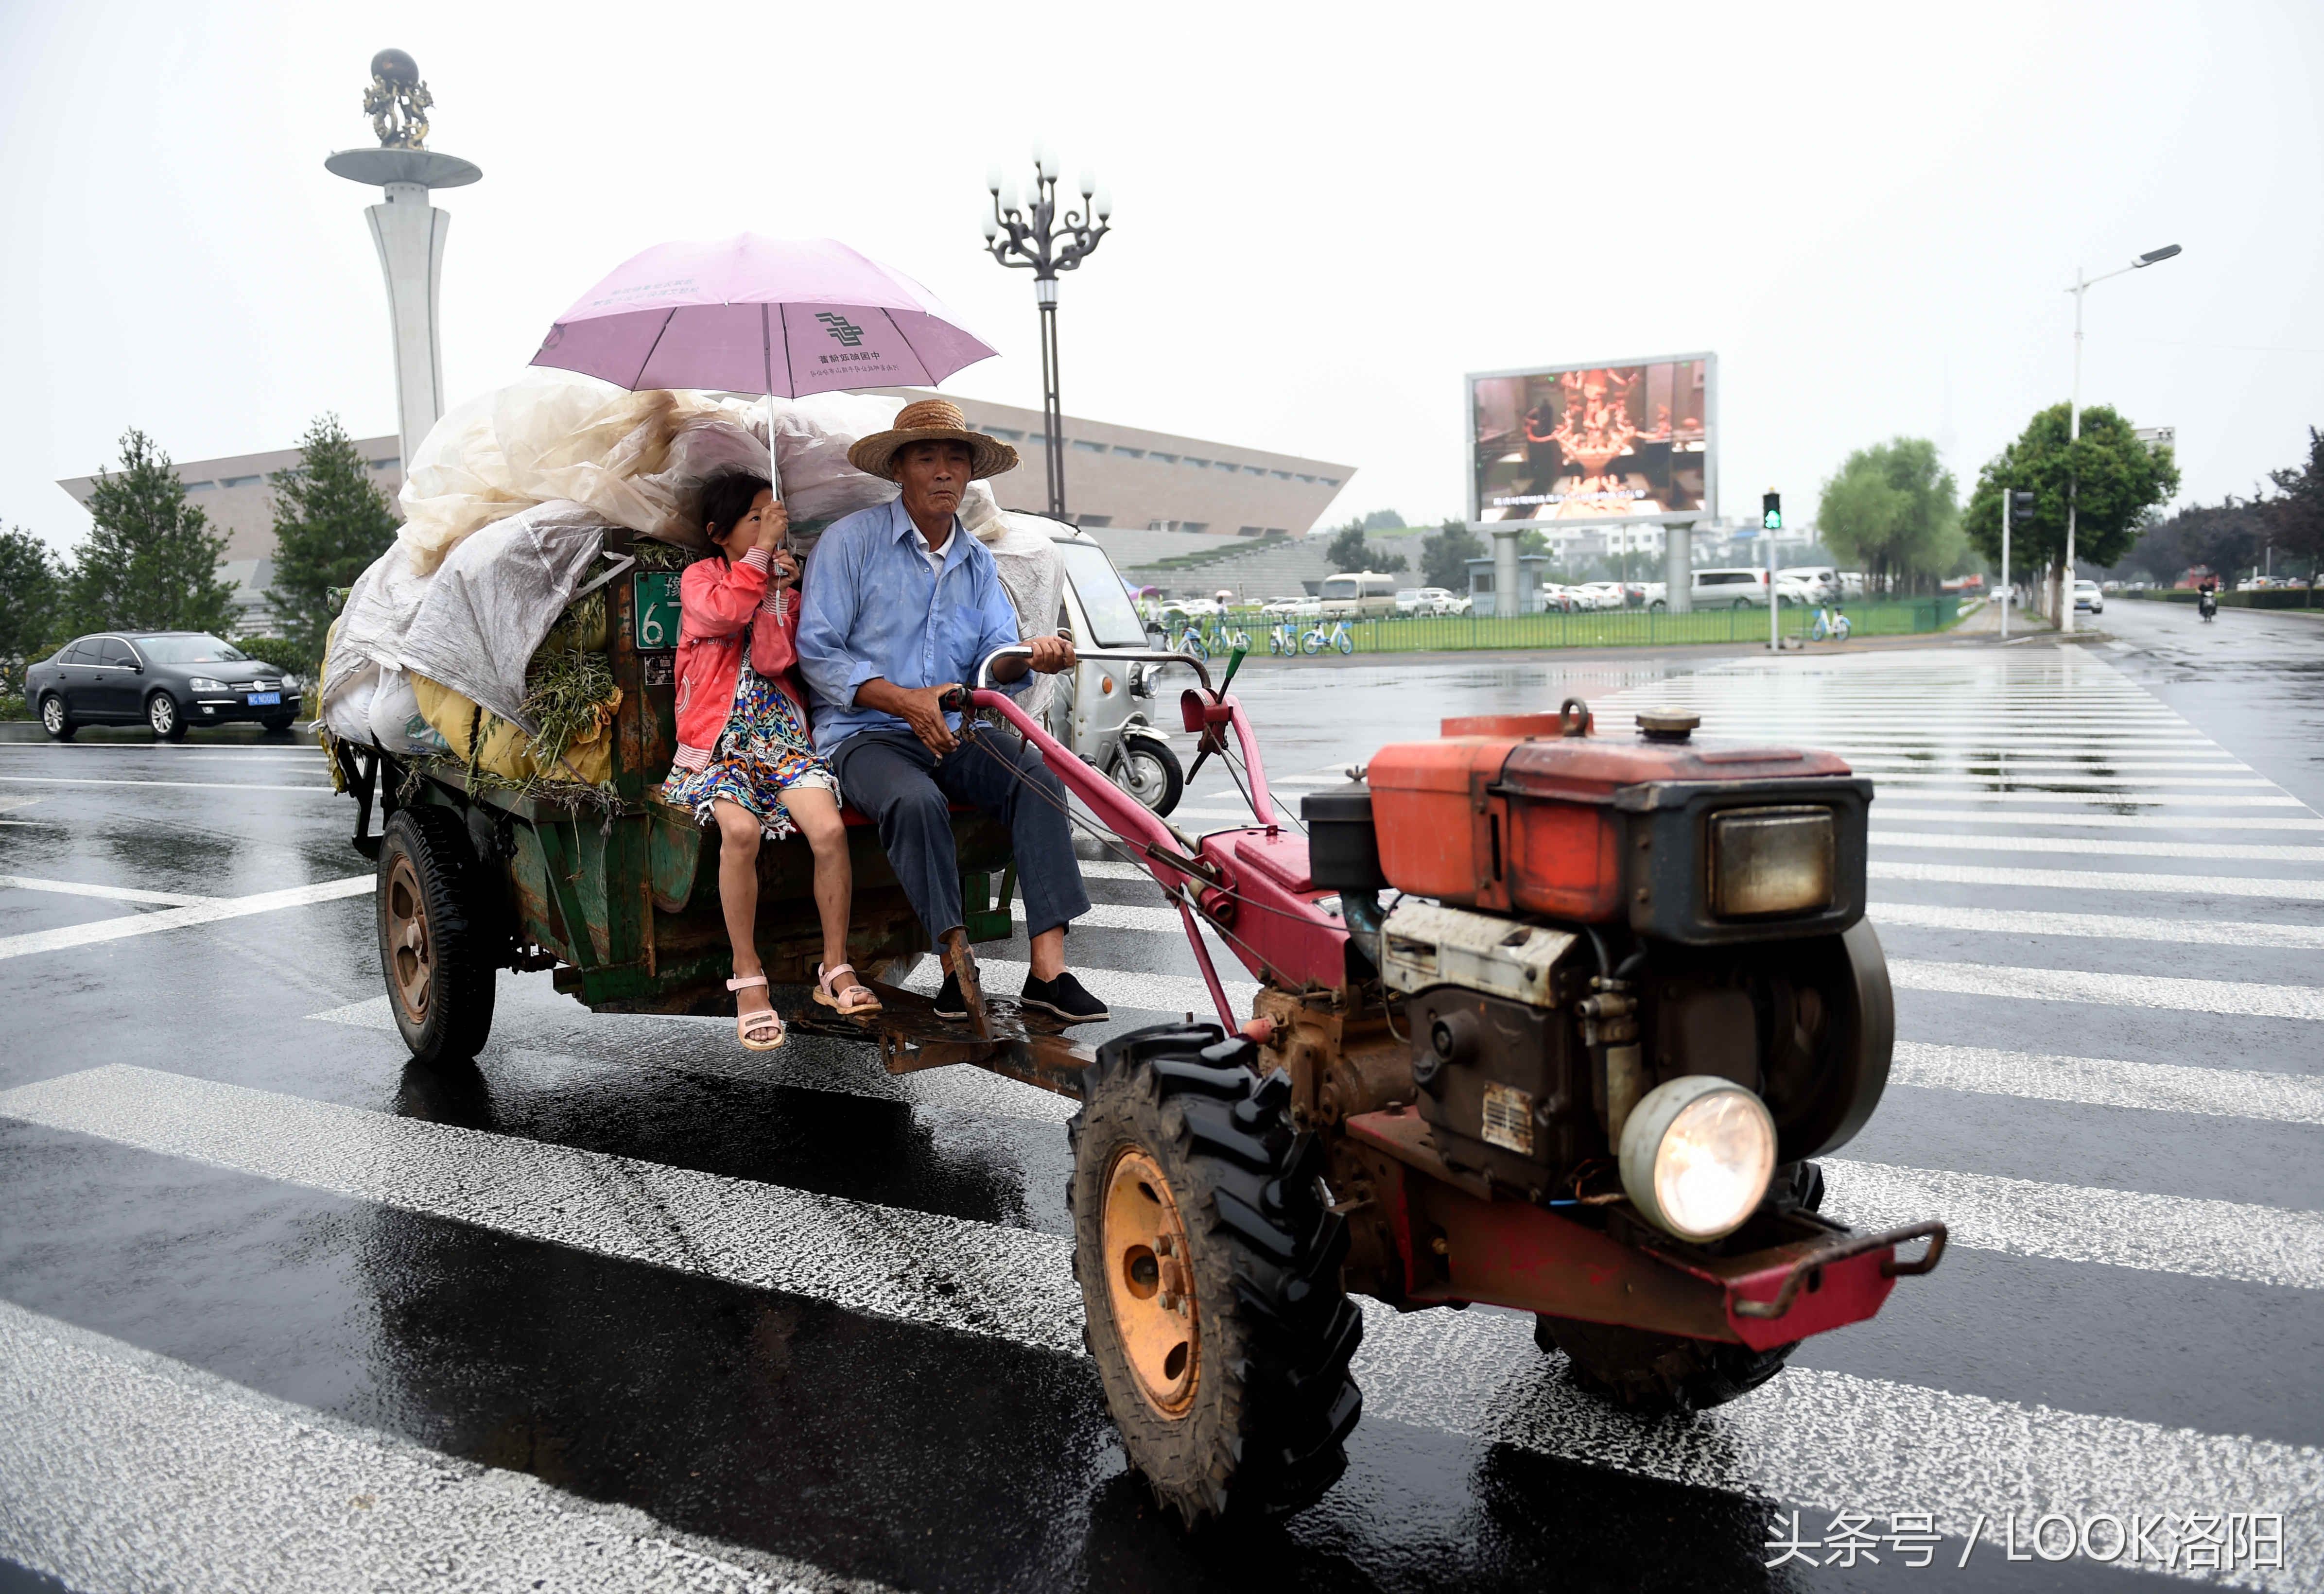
504, 750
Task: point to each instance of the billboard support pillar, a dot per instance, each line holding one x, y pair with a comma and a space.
1678, 570
1507, 591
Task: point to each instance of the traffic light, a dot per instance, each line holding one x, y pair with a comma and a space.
1771, 512
2021, 507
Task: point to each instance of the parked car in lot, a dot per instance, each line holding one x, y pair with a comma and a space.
1293, 609
1603, 594
1851, 584
169, 680
1820, 583
1423, 601
2086, 596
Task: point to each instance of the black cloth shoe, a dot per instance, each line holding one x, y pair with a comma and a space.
950, 1003
1065, 997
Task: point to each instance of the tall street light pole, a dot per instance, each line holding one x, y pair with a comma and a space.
2074, 415
1035, 235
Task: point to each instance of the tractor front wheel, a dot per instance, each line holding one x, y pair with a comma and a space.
1209, 1272
1652, 1373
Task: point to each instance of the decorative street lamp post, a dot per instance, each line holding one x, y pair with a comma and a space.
1037, 236
410, 232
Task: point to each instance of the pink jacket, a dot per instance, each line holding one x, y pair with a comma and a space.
721, 602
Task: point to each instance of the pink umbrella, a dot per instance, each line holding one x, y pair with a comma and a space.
784, 316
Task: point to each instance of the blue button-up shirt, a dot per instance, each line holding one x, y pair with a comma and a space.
875, 610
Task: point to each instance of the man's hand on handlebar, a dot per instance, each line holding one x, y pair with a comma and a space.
1050, 655
920, 708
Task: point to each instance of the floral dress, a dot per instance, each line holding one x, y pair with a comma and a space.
763, 751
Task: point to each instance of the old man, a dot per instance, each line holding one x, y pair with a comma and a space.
901, 605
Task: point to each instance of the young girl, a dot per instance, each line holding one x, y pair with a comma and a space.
745, 762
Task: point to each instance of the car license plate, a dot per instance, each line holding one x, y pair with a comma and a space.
258, 699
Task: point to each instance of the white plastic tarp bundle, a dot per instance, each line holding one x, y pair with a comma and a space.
470, 625
508, 500
493, 600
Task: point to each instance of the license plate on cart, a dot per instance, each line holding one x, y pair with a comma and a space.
261, 699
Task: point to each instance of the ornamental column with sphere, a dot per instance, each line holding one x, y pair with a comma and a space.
410, 232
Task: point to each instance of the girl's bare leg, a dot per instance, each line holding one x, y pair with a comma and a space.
816, 814
738, 893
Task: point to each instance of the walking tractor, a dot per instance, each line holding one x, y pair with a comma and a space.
1548, 1018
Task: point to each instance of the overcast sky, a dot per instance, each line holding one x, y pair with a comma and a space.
1325, 215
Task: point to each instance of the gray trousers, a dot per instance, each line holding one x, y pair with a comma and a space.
892, 776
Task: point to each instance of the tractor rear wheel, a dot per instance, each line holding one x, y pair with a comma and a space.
1209, 1272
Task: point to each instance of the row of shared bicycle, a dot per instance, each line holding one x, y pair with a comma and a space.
1284, 640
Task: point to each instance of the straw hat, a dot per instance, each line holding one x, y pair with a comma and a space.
930, 421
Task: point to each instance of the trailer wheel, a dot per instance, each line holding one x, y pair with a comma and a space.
1649, 1372
435, 944
1209, 1275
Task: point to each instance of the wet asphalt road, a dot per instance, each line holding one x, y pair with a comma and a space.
622, 1308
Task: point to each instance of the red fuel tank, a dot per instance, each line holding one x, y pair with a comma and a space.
1521, 814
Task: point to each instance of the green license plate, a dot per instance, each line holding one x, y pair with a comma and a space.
654, 600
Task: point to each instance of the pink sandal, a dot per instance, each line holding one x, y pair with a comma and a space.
752, 1028
848, 1003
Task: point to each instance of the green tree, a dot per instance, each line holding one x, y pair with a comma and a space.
1445, 553
331, 520
1347, 550
1892, 510
151, 561
2226, 536
2117, 481
2295, 516
30, 595
1383, 519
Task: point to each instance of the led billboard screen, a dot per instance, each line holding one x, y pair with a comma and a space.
1606, 442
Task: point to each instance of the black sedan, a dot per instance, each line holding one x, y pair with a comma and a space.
169, 680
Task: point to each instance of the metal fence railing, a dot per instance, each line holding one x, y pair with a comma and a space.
1616, 628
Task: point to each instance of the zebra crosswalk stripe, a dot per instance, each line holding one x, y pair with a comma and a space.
123, 1469
1816, 1438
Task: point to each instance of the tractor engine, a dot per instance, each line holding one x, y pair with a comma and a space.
1629, 965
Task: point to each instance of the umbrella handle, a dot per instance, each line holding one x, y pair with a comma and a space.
767, 347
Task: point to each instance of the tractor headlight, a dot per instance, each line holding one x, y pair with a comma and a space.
1697, 1154
1771, 860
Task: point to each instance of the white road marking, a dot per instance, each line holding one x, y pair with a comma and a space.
1108, 869
2167, 799
1887, 810
2175, 1234
2018, 778
21, 883
1831, 1441
177, 918
2107, 1082
2252, 851
2078, 880
884, 1261
1822, 1439
2228, 998
1118, 916
2184, 931
371, 1013
182, 785
1145, 993
123, 1469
